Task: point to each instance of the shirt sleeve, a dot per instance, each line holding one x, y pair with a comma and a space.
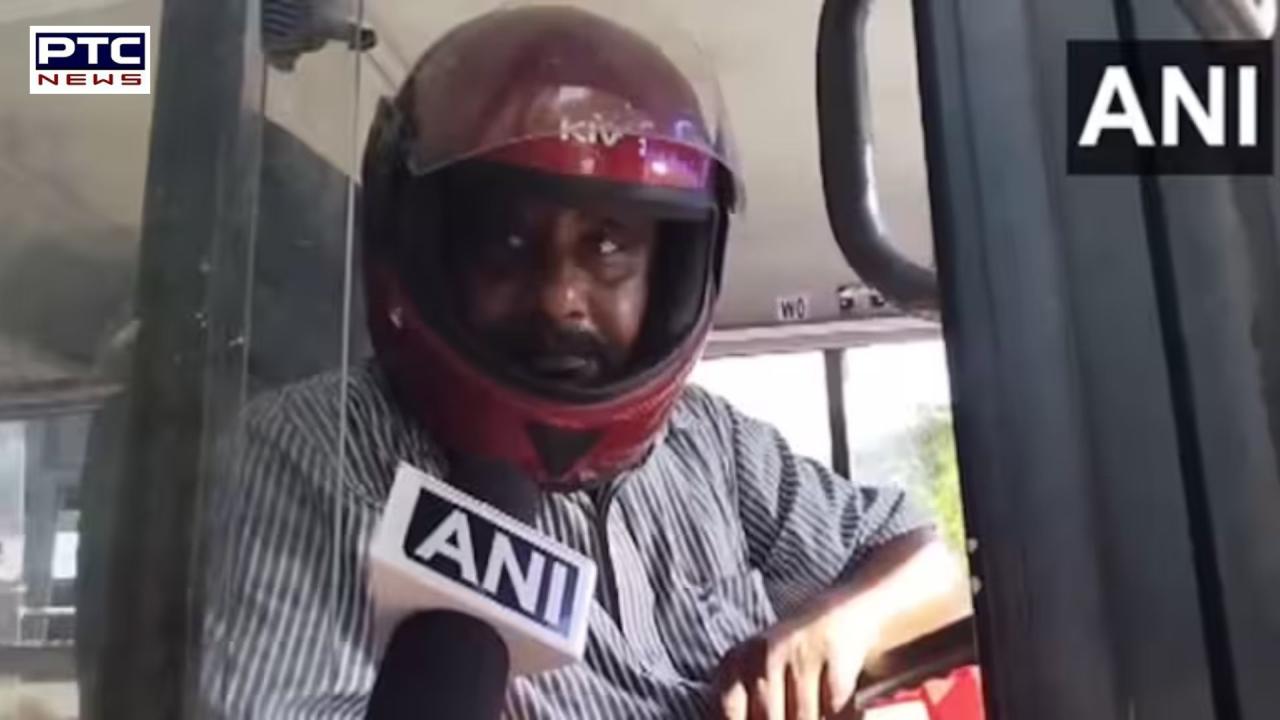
807, 527
276, 639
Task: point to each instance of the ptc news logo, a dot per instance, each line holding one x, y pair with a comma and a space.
90, 60
1170, 107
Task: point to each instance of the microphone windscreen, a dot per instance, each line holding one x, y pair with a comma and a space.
441, 664
496, 483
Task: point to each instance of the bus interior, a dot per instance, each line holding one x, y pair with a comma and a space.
1080, 375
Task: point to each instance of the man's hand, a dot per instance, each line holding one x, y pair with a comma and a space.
804, 668
807, 666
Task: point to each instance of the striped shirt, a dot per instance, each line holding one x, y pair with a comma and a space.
718, 534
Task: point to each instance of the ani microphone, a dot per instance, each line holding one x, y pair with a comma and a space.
466, 593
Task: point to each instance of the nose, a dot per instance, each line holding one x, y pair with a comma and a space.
565, 287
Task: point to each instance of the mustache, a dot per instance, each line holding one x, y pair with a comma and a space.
525, 344
569, 342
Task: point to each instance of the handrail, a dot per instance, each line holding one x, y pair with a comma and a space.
848, 173
928, 657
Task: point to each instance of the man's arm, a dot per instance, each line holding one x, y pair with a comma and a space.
807, 666
854, 568
911, 586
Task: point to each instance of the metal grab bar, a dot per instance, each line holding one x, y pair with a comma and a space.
848, 176
932, 656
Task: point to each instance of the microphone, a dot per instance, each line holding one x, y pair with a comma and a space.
485, 595
443, 664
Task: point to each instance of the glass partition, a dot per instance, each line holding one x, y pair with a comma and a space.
275, 451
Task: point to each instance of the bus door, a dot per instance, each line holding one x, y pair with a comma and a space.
1113, 352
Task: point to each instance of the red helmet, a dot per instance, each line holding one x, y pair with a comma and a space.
552, 100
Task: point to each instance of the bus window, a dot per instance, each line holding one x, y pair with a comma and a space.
896, 411
794, 400
898, 406
72, 184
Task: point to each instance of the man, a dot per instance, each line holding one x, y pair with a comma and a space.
546, 203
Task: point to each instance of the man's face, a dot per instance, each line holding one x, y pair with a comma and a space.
560, 292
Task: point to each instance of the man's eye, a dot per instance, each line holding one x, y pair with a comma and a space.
505, 245
609, 246
503, 250
609, 241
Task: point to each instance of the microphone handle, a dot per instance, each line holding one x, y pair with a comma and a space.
441, 664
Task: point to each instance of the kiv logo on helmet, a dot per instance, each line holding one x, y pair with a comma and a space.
1169, 107
90, 60
596, 131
